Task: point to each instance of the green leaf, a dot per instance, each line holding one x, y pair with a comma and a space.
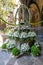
35, 50
4, 46
15, 52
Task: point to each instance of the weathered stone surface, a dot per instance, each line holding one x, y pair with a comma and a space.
11, 61
37, 62
4, 57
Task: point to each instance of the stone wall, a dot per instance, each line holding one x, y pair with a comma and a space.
40, 3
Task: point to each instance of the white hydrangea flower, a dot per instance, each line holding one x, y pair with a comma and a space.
16, 34
36, 44
11, 44
31, 34
24, 47
23, 35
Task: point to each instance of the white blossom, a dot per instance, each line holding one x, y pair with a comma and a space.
23, 35
11, 44
25, 47
31, 34
36, 44
16, 34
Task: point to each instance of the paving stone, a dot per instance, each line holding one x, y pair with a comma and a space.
11, 61
4, 57
37, 62
2, 63
25, 60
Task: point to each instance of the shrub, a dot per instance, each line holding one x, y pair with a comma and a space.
15, 52
35, 50
4, 46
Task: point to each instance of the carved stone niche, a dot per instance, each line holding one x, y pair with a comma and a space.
26, 2
34, 10
26, 14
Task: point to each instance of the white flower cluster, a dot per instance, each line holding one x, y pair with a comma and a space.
36, 44
16, 34
11, 36
31, 34
10, 43
25, 47
23, 35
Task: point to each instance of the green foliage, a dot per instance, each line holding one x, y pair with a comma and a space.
6, 30
35, 50
6, 6
4, 46
15, 52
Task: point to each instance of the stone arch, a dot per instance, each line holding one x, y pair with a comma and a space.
29, 2
33, 2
